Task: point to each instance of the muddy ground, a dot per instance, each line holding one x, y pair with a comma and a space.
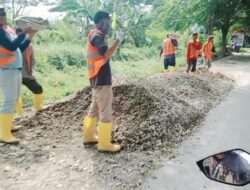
151, 117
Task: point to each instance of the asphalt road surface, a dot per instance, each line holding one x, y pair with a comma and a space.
226, 127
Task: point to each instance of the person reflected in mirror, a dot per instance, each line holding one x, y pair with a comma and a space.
227, 167
237, 165
211, 165
218, 171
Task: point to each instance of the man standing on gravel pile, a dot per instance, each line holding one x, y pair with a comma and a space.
99, 73
193, 49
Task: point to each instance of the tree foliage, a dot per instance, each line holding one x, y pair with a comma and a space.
211, 14
138, 18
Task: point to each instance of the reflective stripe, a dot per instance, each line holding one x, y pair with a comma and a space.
6, 55
95, 59
91, 67
93, 55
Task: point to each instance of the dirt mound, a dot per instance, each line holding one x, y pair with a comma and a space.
148, 115
151, 117
158, 112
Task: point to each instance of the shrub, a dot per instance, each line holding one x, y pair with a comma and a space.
56, 60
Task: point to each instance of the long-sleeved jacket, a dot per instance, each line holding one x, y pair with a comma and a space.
14, 44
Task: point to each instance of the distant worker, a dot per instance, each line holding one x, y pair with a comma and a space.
169, 50
28, 79
99, 74
193, 49
208, 52
10, 74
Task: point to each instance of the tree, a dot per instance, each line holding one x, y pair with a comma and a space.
222, 14
212, 14
18, 7
134, 18
83, 11
130, 16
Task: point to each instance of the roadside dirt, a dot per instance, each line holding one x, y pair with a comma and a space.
151, 117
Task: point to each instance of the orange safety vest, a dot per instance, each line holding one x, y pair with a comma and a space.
207, 50
28, 56
7, 56
168, 47
193, 51
95, 59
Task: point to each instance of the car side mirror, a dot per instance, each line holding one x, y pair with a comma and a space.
231, 167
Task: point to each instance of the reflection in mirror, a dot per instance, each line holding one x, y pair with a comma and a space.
232, 167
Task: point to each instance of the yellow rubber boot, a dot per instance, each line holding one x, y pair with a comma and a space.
89, 130
19, 106
15, 127
104, 133
172, 69
38, 102
5, 129
166, 71
192, 74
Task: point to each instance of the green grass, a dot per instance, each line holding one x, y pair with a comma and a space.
245, 50
142, 68
57, 84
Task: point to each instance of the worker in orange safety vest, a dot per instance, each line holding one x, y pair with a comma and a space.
193, 49
208, 51
10, 74
169, 51
29, 80
99, 74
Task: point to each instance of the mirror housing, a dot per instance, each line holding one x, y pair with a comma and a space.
231, 167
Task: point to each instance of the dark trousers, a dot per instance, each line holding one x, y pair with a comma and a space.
32, 85
192, 65
237, 49
169, 61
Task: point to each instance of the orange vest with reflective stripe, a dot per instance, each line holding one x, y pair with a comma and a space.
194, 48
207, 50
7, 56
168, 47
28, 56
95, 59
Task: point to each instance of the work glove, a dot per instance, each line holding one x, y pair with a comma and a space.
120, 35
